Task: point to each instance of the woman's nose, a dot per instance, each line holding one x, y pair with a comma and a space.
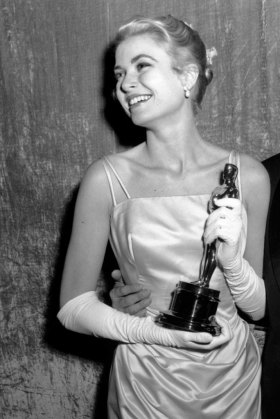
129, 82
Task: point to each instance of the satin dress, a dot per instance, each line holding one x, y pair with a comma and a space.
158, 242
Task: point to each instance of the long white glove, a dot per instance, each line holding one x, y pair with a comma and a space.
87, 314
247, 288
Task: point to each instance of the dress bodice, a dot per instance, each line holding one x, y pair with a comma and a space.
158, 241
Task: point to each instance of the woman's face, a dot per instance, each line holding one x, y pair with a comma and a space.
147, 87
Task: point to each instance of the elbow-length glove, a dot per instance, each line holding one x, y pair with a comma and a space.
87, 314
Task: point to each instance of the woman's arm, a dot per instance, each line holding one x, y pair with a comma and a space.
81, 310
89, 236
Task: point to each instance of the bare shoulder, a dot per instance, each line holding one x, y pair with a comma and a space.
94, 186
95, 175
254, 179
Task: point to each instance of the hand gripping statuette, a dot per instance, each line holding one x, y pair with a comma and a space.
193, 305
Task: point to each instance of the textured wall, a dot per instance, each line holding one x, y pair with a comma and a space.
53, 125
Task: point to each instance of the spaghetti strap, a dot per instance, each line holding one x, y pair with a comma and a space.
234, 158
110, 182
106, 162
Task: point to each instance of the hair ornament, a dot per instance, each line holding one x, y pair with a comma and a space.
210, 54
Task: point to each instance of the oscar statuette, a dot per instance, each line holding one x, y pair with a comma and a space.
193, 305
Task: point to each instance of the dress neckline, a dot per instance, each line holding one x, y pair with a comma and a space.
161, 197
146, 198
232, 158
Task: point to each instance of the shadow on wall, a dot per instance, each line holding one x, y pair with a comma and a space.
56, 337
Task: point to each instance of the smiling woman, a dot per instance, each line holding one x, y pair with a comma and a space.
182, 43
151, 203
147, 86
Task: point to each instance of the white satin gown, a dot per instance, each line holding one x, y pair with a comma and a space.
158, 242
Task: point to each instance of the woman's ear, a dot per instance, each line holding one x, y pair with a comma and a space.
189, 76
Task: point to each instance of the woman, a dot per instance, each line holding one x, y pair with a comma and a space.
151, 202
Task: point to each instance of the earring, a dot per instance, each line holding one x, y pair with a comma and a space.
187, 92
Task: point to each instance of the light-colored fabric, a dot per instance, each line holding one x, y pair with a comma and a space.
158, 242
247, 288
87, 314
111, 182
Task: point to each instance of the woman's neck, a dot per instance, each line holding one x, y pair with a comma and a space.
174, 147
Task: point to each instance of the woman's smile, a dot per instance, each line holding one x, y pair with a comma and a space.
136, 100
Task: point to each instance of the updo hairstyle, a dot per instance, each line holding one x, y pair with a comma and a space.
182, 43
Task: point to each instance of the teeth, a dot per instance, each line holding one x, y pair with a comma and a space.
138, 99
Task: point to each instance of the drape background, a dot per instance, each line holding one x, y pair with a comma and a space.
56, 117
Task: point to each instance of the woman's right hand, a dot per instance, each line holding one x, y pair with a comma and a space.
150, 332
199, 340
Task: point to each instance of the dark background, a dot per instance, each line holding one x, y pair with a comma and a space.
55, 120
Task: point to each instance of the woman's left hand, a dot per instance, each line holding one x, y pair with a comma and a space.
225, 224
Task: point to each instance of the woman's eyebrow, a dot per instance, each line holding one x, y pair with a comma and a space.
136, 58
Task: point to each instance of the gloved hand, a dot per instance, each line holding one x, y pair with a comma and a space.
225, 224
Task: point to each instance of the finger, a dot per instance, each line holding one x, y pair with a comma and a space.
225, 226
117, 277
233, 203
118, 284
140, 299
199, 338
212, 232
220, 213
116, 274
224, 337
202, 338
131, 303
129, 289
224, 234
139, 308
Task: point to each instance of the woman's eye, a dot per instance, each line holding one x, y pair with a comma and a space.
118, 76
142, 65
